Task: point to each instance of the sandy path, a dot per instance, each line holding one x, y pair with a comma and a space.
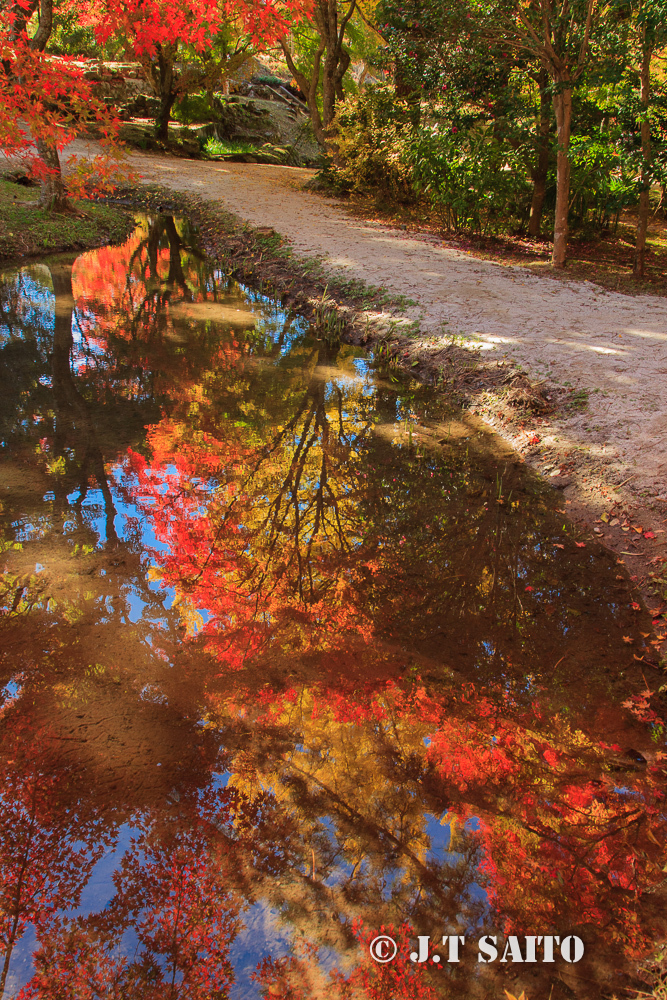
577, 333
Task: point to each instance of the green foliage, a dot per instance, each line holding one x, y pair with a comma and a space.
221, 148
69, 37
268, 152
436, 48
477, 181
602, 181
193, 108
270, 80
373, 132
405, 153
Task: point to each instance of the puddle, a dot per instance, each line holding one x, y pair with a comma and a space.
291, 655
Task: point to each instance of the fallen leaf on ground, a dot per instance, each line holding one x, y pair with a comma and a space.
580, 545
628, 638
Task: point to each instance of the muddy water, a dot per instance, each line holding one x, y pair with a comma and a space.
291, 654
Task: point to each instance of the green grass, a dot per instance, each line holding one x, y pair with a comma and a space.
578, 401
27, 230
370, 295
227, 147
221, 149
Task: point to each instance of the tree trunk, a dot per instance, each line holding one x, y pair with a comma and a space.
340, 72
563, 109
166, 92
645, 179
334, 61
74, 424
541, 169
163, 117
20, 16
43, 33
309, 88
52, 196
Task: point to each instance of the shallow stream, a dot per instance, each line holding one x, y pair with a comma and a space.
292, 655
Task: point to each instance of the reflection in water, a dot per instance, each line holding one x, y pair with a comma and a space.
290, 652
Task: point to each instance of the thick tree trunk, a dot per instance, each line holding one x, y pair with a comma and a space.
164, 116
563, 109
541, 169
645, 180
165, 89
53, 196
43, 33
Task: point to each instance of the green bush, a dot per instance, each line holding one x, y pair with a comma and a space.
476, 181
373, 131
603, 179
406, 152
193, 108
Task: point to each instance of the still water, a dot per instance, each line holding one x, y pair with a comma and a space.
291, 653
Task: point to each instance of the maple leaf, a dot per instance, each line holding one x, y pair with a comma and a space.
627, 638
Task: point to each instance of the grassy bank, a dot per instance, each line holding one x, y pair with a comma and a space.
27, 230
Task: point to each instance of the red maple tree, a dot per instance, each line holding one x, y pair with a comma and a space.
191, 45
45, 103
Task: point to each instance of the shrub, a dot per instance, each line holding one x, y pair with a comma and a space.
372, 132
407, 152
476, 181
